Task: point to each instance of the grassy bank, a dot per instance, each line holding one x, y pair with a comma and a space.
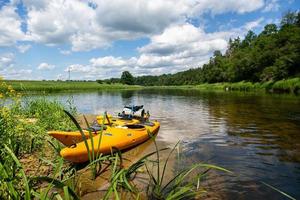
59, 86
288, 86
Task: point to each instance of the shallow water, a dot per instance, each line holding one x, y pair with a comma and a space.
257, 136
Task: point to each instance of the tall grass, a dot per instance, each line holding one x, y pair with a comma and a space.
60, 86
24, 126
12, 172
289, 85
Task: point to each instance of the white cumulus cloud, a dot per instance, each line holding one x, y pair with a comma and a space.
219, 7
78, 68
45, 66
6, 60
271, 5
88, 25
20, 74
10, 26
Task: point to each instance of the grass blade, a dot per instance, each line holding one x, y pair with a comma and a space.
10, 186
281, 192
81, 132
166, 162
57, 184
12, 155
66, 193
91, 137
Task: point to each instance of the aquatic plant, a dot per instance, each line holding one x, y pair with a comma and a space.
178, 186
122, 179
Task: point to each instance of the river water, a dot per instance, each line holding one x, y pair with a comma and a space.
256, 136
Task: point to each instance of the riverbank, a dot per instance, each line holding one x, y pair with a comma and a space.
284, 86
287, 86
60, 86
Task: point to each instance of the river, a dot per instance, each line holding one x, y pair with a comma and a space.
256, 136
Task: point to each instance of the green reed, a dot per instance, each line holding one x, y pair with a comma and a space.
94, 155
11, 172
178, 186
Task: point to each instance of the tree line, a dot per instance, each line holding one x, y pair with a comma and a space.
272, 55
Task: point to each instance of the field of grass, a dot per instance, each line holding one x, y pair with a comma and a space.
288, 86
60, 86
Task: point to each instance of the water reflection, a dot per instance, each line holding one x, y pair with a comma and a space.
256, 136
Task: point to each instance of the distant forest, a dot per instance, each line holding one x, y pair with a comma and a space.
272, 55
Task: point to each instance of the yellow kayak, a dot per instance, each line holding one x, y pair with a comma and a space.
109, 120
69, 138
120, 137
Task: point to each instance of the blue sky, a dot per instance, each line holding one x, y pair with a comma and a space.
98, 39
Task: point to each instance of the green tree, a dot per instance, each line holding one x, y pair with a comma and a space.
248, 39
289, 18
270, 29
127, 78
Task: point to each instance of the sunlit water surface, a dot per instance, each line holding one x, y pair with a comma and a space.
256, 136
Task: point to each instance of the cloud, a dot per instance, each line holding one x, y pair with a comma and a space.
219, 7
142, 16
103, 23
8, 69
6, 60
271, 5
181, 45
23, 48
110, 61
10, 26
254, 24
45, 66
63, 19
12, 73
78, 68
